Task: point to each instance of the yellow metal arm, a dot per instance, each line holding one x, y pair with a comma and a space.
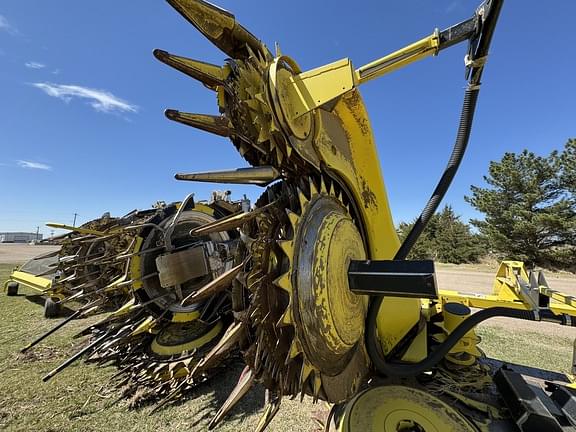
77, 229
306, 91
404, 56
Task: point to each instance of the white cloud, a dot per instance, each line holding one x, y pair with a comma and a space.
33, 165
6, 26
34, 65
100, 100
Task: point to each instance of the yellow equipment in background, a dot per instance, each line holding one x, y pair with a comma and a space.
165, 283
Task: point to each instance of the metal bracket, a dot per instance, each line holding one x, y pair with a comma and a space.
395, 278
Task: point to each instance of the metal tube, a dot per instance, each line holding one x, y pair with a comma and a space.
75, 357
51, 331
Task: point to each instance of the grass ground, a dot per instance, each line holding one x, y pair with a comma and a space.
79, 400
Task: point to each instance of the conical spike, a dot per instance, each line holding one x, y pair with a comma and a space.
277, 49
220, 27
260, 176
271, 410
225, 224
230, 222
213, 287
209, 74
244, 384
218, 125
227, 343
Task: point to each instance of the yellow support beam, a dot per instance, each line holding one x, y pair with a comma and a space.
35, 282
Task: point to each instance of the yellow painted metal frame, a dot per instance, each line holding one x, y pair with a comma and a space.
508, 293
344, 143
35, 282
311, 89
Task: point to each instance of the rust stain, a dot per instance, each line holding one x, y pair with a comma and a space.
368, 197
355, 105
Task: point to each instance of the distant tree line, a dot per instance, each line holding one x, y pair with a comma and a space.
529, 207
446, 239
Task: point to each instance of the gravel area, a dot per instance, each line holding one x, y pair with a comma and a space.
17, 253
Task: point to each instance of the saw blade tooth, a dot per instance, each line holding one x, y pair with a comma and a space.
269, 414
317, 385
302, 199
294, 351
209, 74
220, 27
284, 282
215, 124
305, 374
286, 318
287, 247
245, 383
313, 188
263, 135
293, 217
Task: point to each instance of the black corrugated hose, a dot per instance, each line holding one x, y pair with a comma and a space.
373, 347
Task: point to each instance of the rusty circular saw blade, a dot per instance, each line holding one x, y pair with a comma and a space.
278, 352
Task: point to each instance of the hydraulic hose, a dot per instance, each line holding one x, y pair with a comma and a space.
403, 370
462, 138
490, 12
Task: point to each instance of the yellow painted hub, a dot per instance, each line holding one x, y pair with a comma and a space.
332, 318
338, 243
397, 408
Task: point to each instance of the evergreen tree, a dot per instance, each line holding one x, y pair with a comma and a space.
446, 239
528, 215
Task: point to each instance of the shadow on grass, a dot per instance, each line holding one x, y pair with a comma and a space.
215, 391
40, 299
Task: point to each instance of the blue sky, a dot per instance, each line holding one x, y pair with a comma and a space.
82, 98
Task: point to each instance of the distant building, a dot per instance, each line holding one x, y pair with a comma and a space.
19, 237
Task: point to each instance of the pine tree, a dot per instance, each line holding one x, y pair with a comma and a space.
528, 215
446, 239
